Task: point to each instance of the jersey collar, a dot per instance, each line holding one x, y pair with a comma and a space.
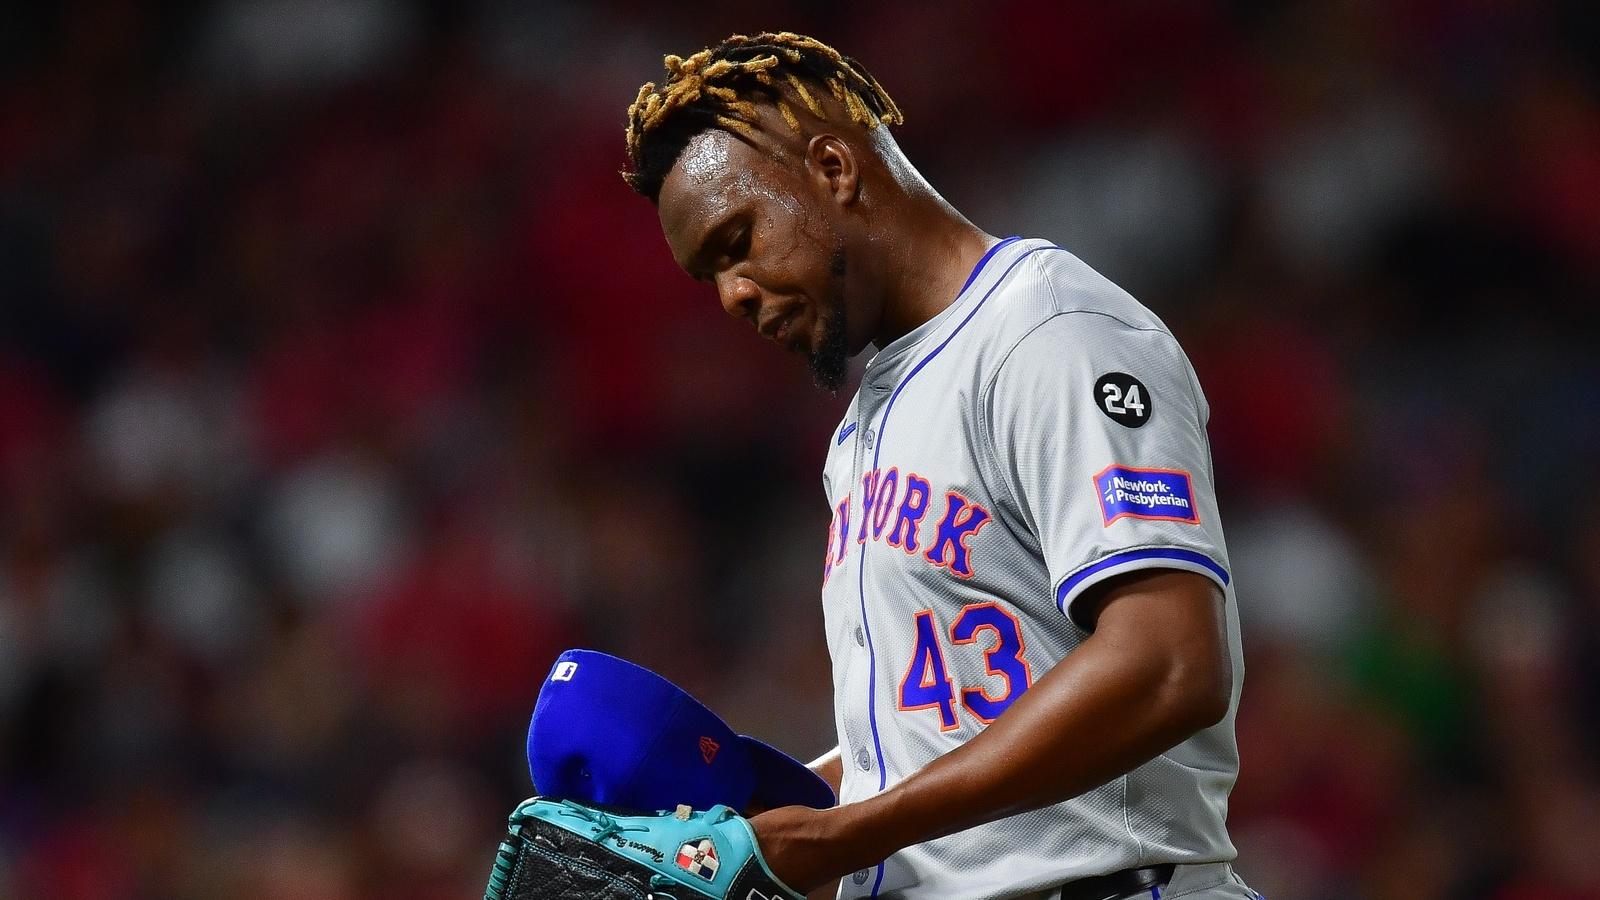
883, 364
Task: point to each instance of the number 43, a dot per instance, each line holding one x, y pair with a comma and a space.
927, 684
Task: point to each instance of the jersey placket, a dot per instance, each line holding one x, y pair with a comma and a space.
861, 718
884, 373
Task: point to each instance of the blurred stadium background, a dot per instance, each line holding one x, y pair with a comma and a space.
343, 384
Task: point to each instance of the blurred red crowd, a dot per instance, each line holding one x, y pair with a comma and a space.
343, 384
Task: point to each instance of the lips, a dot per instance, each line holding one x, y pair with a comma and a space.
776, 328
784, 332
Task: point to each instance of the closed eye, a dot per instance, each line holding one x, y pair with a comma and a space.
726, 243
739, 245
729, 246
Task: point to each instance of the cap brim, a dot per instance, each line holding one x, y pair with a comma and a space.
782, 780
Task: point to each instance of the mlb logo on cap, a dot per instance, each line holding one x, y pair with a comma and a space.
608, 732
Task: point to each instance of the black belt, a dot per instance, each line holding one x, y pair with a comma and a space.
1126, 883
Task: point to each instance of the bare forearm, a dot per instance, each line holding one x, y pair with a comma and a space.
1045, 749
1156, 670
830, 766
1105, 709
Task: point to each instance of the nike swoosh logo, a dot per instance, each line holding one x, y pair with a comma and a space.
848, 430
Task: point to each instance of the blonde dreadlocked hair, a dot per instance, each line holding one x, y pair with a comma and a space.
719, 87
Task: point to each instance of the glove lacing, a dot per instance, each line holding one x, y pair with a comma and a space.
605, 826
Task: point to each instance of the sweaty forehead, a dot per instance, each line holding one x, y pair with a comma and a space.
706, 157
715, 173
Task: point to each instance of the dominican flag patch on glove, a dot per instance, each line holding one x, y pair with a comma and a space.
699, 858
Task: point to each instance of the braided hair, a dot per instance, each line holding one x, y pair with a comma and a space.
720, 86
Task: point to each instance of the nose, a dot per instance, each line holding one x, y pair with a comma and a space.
740, 296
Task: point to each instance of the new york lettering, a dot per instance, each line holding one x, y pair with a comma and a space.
895, 510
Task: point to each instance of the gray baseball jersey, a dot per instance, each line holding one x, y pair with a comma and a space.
1041, 434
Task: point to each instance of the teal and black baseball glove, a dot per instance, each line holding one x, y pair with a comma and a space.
564, 850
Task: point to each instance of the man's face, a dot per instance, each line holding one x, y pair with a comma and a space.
753, 227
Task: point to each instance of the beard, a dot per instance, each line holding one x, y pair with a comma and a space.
830, 362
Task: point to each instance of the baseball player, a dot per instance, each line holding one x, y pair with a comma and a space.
1034, 635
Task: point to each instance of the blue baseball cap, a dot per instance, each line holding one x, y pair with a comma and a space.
608, 732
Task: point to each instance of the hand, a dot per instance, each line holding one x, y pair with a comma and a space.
804, 847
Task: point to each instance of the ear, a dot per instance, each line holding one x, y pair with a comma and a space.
831, 164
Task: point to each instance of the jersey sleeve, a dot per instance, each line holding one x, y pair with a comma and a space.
1098, 435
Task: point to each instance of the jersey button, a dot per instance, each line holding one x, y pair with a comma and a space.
870, 437
861, 637
864, 759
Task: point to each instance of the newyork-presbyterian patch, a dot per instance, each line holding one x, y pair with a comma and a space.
1129, 493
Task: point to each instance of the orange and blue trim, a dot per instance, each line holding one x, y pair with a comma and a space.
1071, 583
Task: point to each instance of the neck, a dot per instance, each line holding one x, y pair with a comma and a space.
931, 250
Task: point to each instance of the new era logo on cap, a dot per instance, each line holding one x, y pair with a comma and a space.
708, 749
